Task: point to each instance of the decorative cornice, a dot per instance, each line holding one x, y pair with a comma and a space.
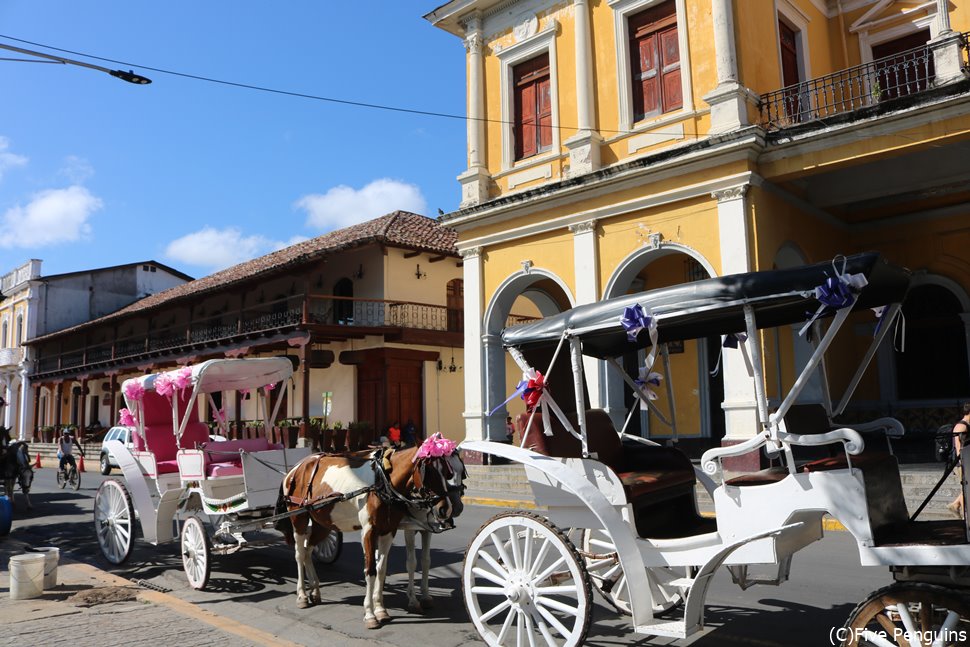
731, 193
583, 227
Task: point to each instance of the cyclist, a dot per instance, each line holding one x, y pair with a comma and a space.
65, 450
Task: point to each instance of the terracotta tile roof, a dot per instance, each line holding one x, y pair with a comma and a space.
396, 229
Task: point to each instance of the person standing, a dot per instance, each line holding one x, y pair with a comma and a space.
961, 431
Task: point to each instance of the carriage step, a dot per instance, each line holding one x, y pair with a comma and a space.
666, 628
682, 582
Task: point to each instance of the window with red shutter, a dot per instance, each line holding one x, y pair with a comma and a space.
533, 107
655, 61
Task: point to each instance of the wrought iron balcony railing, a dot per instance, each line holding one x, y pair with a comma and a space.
862, 86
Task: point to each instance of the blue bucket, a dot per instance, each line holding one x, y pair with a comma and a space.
6, 515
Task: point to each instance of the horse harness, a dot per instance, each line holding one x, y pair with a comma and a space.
382, 487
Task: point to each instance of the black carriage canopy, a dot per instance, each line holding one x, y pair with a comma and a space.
714, 306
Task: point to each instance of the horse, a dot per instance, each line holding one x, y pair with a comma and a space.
15, 468
373, 494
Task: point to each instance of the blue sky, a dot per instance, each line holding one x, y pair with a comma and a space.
95, 171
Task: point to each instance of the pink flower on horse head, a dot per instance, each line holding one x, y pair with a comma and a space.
134, 391
183, 378
436, 446
165, 385
127, 418
269, 387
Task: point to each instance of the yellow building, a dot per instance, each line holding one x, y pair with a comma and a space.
621, 145
16, 308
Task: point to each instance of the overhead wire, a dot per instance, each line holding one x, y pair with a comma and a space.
316, 97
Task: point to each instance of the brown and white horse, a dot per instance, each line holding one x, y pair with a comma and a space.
373, 493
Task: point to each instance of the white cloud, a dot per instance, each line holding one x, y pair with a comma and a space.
51, 217
342, 205
9, 160
220, 248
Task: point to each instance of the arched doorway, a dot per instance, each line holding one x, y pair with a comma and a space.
698, 393
522, 297
934, 365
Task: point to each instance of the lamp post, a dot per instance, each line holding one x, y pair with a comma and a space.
128, 76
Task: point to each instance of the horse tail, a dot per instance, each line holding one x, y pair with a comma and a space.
285, 524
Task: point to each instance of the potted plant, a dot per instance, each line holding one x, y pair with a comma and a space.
339, 436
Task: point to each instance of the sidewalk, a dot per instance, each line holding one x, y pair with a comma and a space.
93, 608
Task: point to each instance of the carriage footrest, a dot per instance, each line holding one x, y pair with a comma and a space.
742, 576
664, 627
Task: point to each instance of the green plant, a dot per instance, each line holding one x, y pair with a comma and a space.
337, 425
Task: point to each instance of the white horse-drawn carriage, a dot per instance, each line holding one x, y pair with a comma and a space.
216, 492
620, 511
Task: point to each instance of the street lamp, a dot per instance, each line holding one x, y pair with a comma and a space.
128, 76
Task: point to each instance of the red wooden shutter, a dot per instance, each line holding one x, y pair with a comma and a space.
670, 56
655, 61
533, 107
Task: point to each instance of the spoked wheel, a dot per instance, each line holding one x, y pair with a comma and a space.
908, 613
114, 521
328, 550
61, 479
524, 583
74, 478
196, 553
610, 580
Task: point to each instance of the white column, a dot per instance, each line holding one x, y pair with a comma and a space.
584, 151
9, 397
26, 405
729, 99
947, 48
586, 262
475, 181
474, 311
740, 404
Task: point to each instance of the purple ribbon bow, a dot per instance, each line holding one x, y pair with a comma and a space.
634, 320
834, 293
519, 392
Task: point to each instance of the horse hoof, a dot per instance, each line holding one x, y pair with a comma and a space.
383, 616
372, 623
415, 607
427, 604
303, 603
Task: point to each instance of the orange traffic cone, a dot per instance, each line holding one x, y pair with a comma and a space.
37, 464
80, 463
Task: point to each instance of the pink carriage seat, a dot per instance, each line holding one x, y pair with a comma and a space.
223, 458
160, 437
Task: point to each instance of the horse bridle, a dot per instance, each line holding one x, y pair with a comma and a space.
423, 498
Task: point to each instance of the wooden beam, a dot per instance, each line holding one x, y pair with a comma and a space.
435, 259
412, 254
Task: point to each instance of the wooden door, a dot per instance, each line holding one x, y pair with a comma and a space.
790, 76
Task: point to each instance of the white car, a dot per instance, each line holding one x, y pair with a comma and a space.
115, 433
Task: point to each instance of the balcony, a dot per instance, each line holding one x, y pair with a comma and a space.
10, 357
864, 86
329, 318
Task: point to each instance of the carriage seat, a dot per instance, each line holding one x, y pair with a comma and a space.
222, 458
809, 419
160, 441
645, 470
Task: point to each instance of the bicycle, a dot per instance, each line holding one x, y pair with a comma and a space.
69, 475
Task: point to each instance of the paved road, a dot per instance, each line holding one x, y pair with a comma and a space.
257, 586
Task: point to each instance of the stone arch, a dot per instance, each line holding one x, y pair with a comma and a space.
551, 295
710, 392
937, 359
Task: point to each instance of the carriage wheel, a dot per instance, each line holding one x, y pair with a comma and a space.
524, 583
114, 521
196, 553
889, 614
610, 580
328, 550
